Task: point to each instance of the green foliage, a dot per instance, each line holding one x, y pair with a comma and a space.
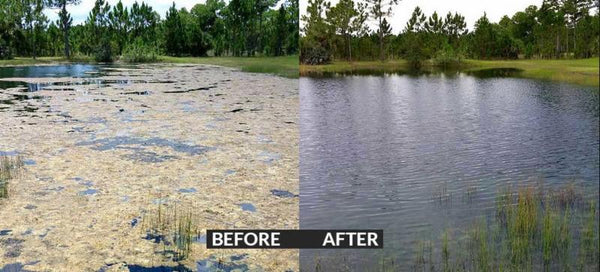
316, 46
138, 52
447, 58
97, 34
103, 53
556, 29
240, 27
314, 55
414, 51
5, 52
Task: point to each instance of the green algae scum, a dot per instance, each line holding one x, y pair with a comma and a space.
116, 167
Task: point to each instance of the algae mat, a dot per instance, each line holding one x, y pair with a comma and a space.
103, 152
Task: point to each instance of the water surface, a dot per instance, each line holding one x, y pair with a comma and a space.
66, 70
379, 151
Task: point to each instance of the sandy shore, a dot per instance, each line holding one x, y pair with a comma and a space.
101, 154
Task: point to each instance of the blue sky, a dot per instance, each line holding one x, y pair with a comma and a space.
81, 11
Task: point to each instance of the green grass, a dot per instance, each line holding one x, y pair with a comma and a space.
9, 168
177, 228
577, 71
286, 66
355, 66
532, 229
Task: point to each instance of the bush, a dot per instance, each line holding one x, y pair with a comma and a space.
415, 53
139, 52
103, 53
5, 52
314, 52
315, 55
447, 58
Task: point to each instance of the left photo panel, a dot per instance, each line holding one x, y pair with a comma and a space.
130, 128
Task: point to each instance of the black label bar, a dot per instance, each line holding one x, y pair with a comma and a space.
294, 239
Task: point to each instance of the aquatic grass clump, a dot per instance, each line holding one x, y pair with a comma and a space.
445, 252
175, 230
522, 225
532, 229
9, 168
424, 256
589, 246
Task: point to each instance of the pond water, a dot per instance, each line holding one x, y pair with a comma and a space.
67, 70
375, 151
103, 146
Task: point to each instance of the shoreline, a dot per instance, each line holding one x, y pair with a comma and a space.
284, 66
580, 71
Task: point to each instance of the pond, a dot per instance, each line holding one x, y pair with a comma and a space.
381, 152
66, 70
104, 148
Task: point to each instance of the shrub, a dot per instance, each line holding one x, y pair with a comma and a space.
447, 58
103, 53
5, 52
314, 52
315, 55
139, 52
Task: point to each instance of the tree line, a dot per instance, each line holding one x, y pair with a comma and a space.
237, 28
556, 29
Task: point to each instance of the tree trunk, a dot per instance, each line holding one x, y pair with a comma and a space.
568, 55
349, 40
66, 31
31, 28
381, 54
260, 45
557, 44
34, 46
575, 41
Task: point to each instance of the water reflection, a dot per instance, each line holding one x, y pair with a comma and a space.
435, 72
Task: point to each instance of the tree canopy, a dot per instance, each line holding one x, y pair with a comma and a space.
556, 29
237, 28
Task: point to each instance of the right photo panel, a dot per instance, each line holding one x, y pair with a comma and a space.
468, 131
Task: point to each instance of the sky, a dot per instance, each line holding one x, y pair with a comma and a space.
472, 10
81, 11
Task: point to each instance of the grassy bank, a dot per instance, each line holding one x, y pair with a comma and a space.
580, 71
286, 66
